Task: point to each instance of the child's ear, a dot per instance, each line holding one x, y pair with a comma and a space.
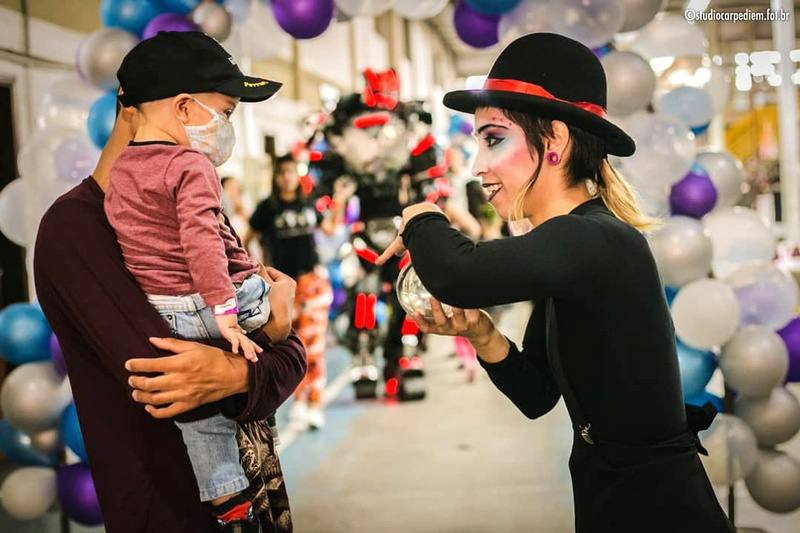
180, 106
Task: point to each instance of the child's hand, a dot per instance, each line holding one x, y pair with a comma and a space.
231, 331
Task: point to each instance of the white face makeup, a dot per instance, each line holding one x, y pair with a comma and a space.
504, 162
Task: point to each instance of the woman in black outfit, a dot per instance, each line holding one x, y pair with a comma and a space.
600, 334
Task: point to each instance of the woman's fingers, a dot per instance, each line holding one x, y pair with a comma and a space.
396, 248
439, 316
423, 325
459, 319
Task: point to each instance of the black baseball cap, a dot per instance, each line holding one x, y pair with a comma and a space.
172, 63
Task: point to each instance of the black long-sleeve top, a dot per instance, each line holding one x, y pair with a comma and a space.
615, 332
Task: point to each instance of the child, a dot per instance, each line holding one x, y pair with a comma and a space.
164, 202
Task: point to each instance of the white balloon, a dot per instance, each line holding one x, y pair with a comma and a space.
698, 72
774, 419
774, 484
726, 173
251, 34
101, 55
706, 313
591, 22
529, 16
13, 221
631, 82
418, 9
665, 150
363, 8
33, 397
28, 493
690, 105
66, 104
213, 19
640, 12
669, 35
682, 250
767, 295
739, 238
755, 361
732, 450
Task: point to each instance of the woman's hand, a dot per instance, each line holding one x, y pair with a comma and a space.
195, 376
470, 323
397, 247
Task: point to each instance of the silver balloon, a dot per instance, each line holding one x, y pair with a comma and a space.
48, 441
754, 362
28, 493
101, 55
418, 9
631, 82
690, 105
682, 250
706, 313
363, 8
413, 295
732, 450
652, 199
665, 150
774, 419
213, 19
767, 295
699, 72
13, 220
739, 238
669, 35
66, 104
640, 12
529, 16
34, 396
774, 484
591, 22
726, 173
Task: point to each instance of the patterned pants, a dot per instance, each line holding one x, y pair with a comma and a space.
312, 304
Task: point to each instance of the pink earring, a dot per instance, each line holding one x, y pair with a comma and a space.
552, 158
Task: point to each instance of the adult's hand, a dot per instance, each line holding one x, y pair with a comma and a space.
398, 247
195, 376
281, 301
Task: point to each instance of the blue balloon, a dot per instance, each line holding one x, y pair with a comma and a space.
335, 275
671, 293
71, 432
102, 116
697, 366
705, 396
492, 7
699, 130
182, 7
16, 446
24, 334
130, 15
381, 312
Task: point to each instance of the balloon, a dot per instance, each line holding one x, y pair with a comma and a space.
181, 7
213, 20
12, 214
261, 22
71, 431
690, 105
168, 22
754, 362
652, 199
670, 293
732, 450
706, 313
631, 82
697, 367
669, 35
774, 419
705, 396
791, 339
767, 295
364, 8
33, 397
130, 15
529, 16
412, 294
339, 298
48, 442
75, 158
682, 250
699, 72
664, 150
492, 7
239, 10
66, 104
57, 357
475, 29
18, 448
303, 19
24, 334
418, 10
591, 22
774, 484
28, 493
727, 174
102, 53
640, 12
77, 494
694, 196
739, 238
101, 119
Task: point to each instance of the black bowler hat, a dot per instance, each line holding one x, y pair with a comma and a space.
551, 76
172, 63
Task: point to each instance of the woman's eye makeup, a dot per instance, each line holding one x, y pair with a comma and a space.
492, 139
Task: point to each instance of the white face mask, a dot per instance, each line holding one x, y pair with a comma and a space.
214, 139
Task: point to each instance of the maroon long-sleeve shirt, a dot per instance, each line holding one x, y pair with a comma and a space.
102, 318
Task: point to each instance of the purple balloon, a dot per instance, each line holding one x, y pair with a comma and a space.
476, 29
168, 22
693, 196
303, 19
466, 128
339, 298
791, 338
77, 494
57, 356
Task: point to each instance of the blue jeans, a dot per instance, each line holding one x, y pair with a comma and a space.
211, 442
